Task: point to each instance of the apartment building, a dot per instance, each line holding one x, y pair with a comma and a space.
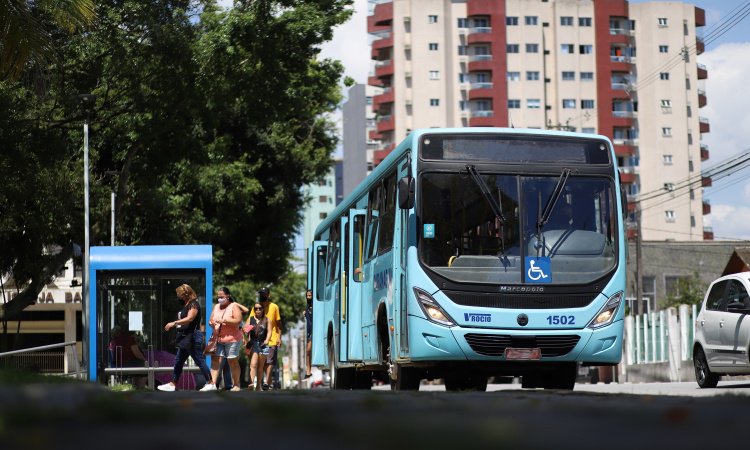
627, 71
321, 201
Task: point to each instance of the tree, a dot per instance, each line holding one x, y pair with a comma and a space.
27, 36
206, 130
687, 291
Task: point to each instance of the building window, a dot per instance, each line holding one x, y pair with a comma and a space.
433, 46
587, 76
532, 75
669, 215
692, 221
666, 103
687, 83
666, 131
567, 49
568, 76
690, 138
587, 104
689, 111
323, 215
532, 48
434, 102
431, 19
692, 194
584, 21
514, 103
662, 21
511, 21
462, 105
690, 166
514, 76
588, 130
462, 50
667, 159
533, 103
669, 187
664, 75
569, 103
566, 21
511, 48
434, 74
663, 49
585, 49
323, 199
531, 20
463, 22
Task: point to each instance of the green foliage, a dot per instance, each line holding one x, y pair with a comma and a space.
687, 291
206, 125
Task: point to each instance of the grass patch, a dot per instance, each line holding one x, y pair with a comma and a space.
21, 377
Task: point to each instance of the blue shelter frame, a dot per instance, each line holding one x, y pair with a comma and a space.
134, 286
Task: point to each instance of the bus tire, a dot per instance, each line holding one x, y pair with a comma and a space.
406, 378
564, 377
341, 379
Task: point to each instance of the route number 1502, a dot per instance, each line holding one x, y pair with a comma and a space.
561, 320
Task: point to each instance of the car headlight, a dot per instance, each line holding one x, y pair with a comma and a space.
432, 309
607, 314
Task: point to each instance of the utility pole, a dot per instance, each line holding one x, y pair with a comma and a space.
638, 265
87, 103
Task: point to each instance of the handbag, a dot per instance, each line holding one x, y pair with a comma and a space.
213, 340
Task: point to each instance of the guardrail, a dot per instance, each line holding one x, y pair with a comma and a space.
67, 345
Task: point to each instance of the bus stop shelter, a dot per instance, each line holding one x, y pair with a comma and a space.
132, 290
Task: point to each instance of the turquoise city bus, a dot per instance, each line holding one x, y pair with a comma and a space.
472, 253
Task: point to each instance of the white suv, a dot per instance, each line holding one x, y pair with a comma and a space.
722, 330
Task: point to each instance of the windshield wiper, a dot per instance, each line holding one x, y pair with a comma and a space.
543, 218
496, 210
477, 177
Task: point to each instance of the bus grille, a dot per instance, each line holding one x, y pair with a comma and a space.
527, 301
495, 345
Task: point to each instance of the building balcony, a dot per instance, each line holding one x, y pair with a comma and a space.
628, 175
382, 14
386, 97
482, 8
385, 123
706, 207
624, 114
480, 90
480, 63
622, 120
706, 182
375, 81
374, 135
701, 98
626, 150
384, 42
700, 17
705, 155
621, 63
384, 68
379, 155
479, 34
620, 36
702, 72
482, 119
708, 234
700, 46
705, 127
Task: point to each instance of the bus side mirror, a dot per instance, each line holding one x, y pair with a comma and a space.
406, 193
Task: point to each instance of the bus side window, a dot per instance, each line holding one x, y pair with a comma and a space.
321, 273
333, 253
388, 214
358, 232
373, 220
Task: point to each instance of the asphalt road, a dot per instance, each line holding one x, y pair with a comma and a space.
87, 416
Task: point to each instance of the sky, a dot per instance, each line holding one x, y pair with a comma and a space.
728, 65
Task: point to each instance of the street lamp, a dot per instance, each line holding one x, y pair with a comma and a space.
87, 103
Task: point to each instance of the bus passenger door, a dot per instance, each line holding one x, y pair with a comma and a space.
354, 250
316, 271
343, 291
400, 290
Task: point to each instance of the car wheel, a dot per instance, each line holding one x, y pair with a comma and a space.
703, 374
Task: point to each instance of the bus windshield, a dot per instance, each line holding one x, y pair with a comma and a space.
464, 240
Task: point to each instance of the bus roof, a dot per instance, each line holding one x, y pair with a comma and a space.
390, 161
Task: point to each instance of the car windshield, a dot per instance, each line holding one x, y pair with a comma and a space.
464, 239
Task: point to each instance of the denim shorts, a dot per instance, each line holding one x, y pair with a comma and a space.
229, 350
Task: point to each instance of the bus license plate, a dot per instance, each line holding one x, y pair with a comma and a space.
523, 353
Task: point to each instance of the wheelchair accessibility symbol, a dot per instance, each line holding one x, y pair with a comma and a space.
538, 270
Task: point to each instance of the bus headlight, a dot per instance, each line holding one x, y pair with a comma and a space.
432, 309
608, 312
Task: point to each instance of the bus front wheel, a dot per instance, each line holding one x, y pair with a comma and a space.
340, 378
